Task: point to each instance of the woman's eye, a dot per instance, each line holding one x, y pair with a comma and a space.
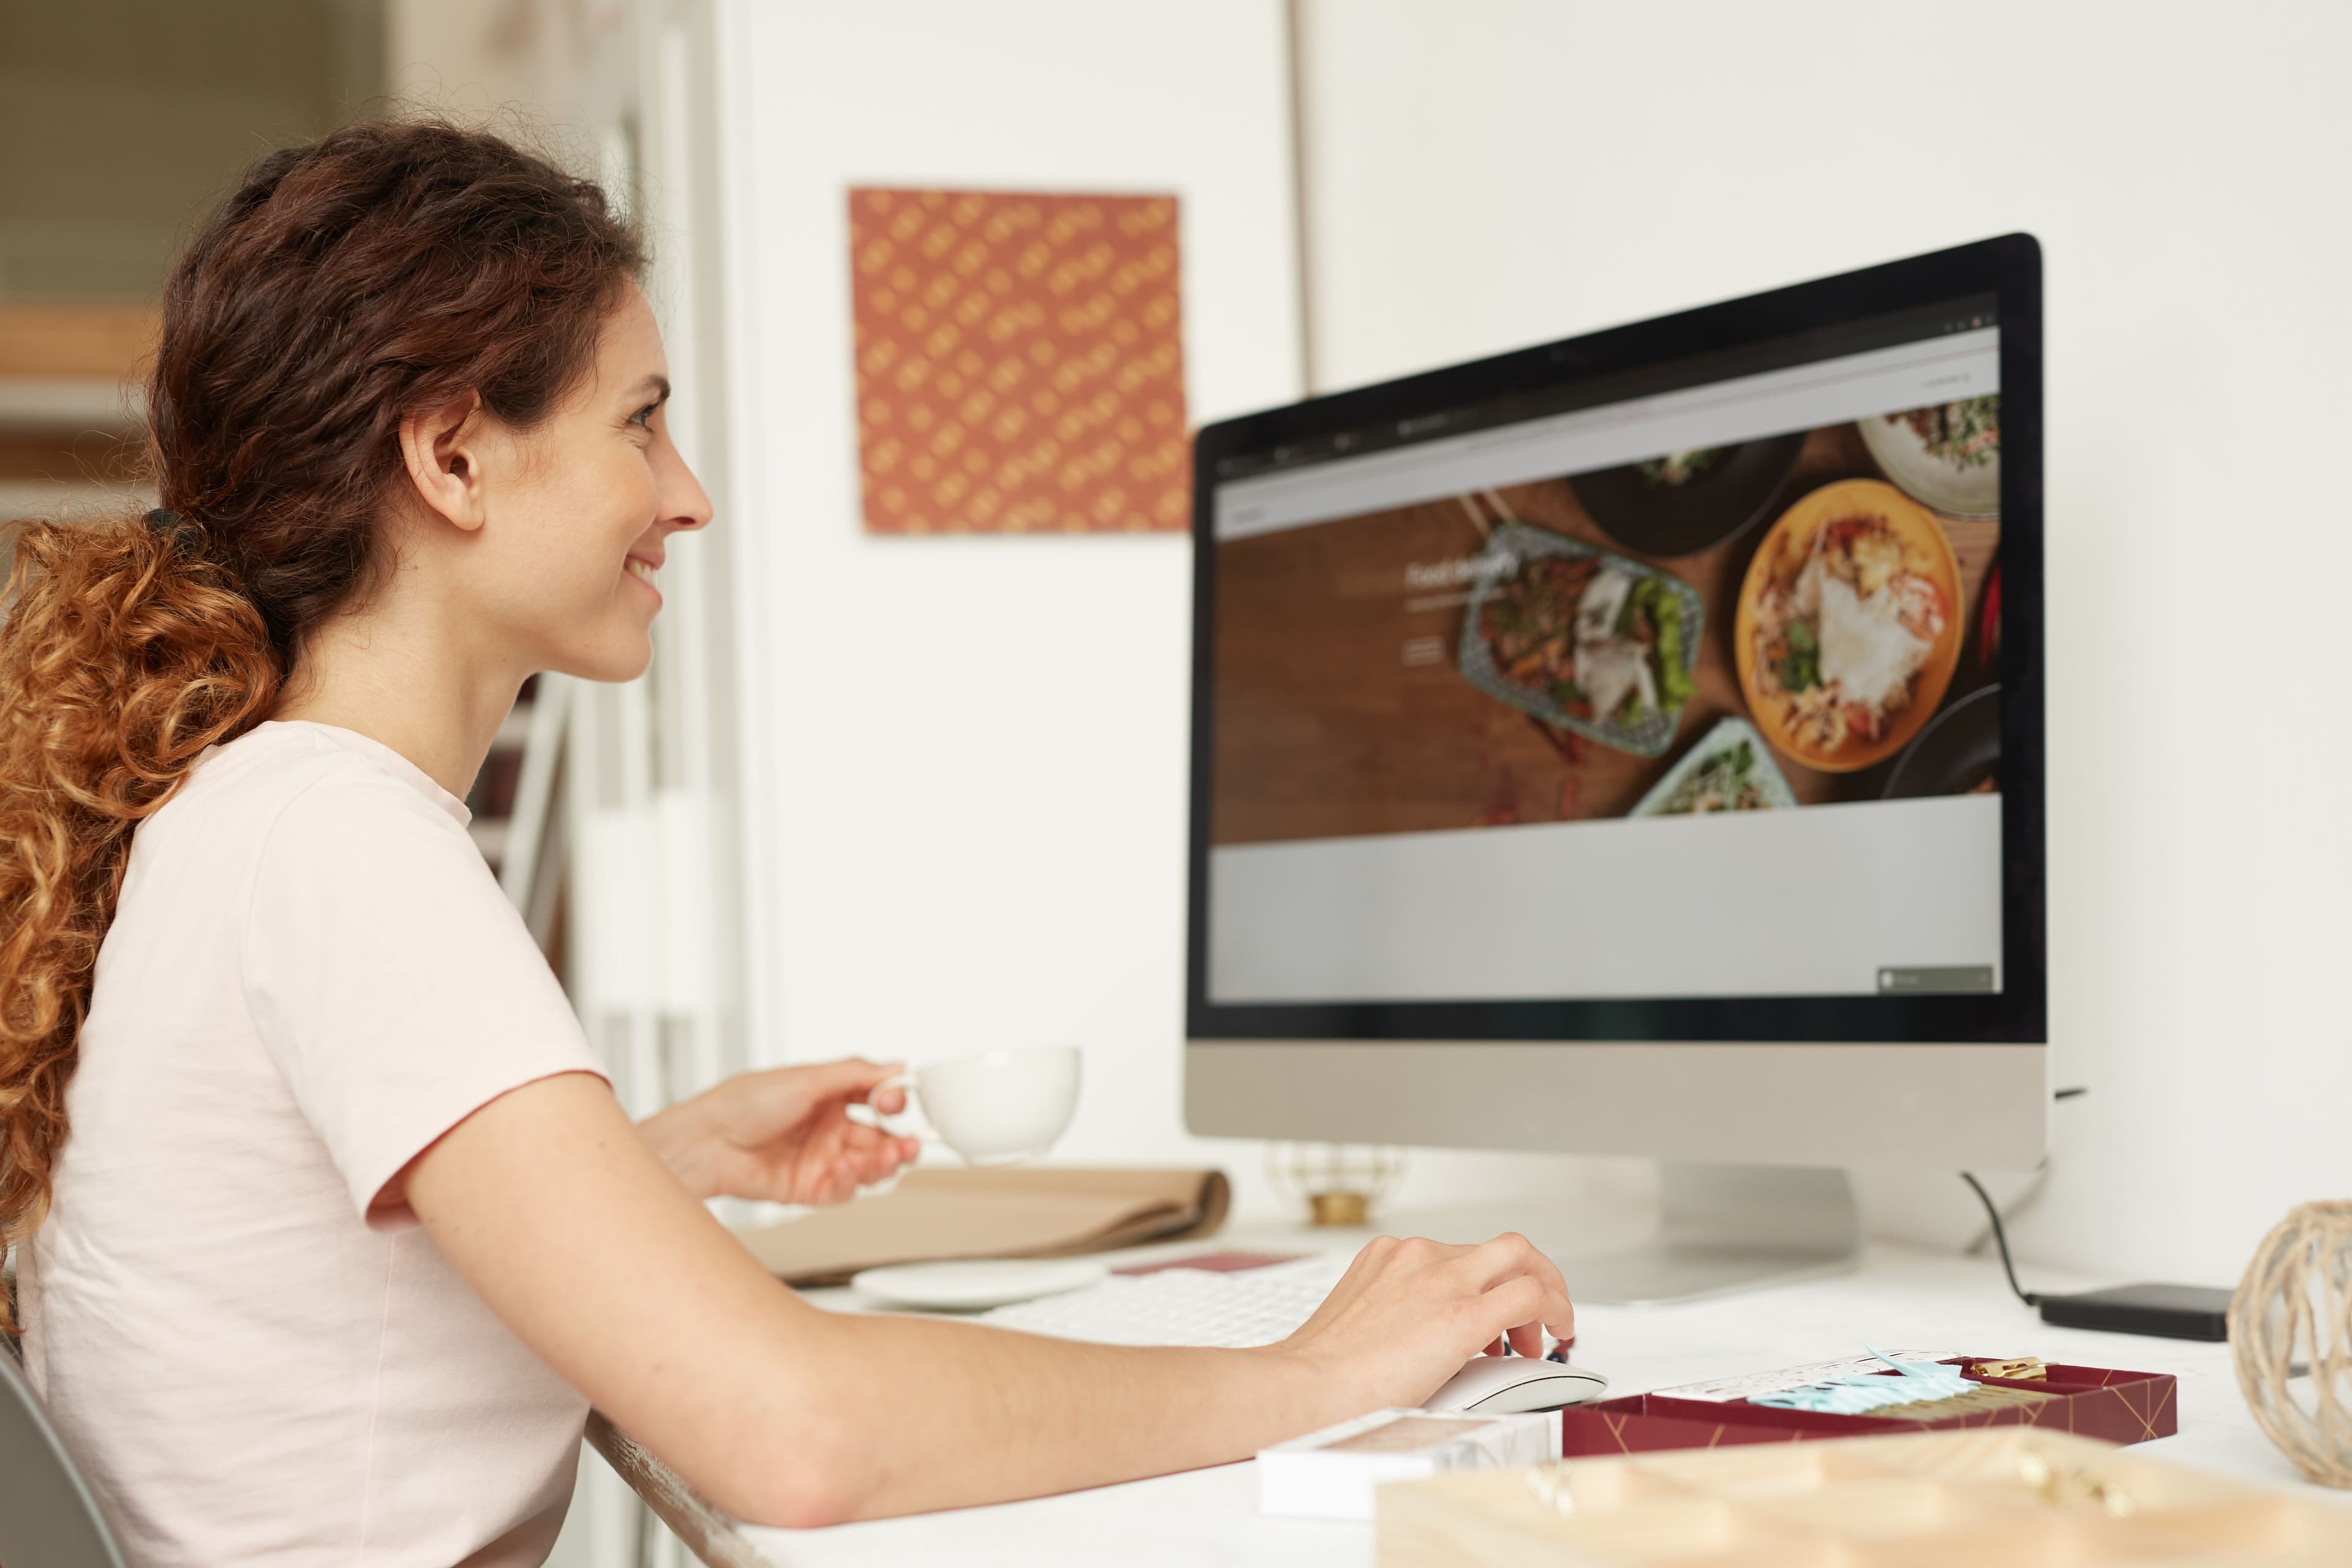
644, 418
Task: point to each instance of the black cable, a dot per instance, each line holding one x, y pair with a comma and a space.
1999, 1236
2028, 1297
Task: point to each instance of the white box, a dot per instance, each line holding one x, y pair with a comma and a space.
1331, 1474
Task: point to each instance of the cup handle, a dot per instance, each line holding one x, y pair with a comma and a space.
863, 1112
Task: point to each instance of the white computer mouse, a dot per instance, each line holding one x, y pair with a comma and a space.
1505, 1384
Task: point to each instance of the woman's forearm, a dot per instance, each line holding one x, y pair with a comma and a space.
939, 1413
783, 1134
924, 1413
910, 1413
556, 1211
554, 1208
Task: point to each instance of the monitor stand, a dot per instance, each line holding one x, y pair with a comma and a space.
1721, 1229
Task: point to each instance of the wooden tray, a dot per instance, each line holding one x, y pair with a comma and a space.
2091, 1401
2016, 1498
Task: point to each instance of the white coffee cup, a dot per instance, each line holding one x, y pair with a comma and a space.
998, 1107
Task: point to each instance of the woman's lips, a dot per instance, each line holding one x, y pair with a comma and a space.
643, 571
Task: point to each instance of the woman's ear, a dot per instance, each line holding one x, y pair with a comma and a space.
442, 450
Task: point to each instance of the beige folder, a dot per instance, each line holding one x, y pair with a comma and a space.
1042, 1211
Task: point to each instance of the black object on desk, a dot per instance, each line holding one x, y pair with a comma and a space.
2174, 1311
2170, 1311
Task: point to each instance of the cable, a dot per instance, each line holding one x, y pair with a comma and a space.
2028, 1297
2001, 1237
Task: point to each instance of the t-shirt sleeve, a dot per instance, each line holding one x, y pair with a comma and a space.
391, 981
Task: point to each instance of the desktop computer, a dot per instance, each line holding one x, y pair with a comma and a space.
1632, 745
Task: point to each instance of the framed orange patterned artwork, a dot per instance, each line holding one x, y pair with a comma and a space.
1020, 363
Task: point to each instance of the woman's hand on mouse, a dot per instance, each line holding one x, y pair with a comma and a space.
1407, 1314
784, 1136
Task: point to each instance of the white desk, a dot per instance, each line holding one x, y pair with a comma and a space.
1899, 1298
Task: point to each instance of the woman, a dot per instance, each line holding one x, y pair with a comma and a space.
332, 1227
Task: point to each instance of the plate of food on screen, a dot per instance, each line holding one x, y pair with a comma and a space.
1848, 625
1679, 504
1583, 638
1958, 753
1730, 769
1946, 455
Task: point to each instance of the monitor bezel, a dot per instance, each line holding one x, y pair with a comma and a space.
2008, 267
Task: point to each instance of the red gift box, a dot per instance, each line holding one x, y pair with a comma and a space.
2089, 1401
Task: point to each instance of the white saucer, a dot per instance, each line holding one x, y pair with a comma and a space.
972, 1285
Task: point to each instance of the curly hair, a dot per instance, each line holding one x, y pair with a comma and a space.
381, 271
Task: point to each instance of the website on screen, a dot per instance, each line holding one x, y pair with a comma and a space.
1689, 693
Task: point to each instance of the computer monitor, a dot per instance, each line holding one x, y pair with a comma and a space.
1634, 745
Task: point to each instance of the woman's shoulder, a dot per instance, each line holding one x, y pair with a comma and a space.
295, 831
316, 801
282, 765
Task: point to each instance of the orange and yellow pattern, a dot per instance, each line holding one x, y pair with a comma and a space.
1020, 363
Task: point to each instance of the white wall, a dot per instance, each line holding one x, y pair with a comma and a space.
968, 783
972, 751
967, 757
1484, 174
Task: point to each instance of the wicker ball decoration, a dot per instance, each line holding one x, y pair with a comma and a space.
2291, 1331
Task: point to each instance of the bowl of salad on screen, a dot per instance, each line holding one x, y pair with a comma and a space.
1583, 638
1848, 625
1946, 455
1730, 769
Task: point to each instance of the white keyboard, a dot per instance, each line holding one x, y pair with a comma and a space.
1182, 1306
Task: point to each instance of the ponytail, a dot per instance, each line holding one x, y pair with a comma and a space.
124, 654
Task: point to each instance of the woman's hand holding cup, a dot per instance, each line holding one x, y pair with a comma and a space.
786, 1135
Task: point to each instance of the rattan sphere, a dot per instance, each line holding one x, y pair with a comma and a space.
2293, 1311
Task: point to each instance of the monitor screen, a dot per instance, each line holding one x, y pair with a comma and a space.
1683, 680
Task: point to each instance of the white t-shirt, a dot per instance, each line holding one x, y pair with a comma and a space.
312, 976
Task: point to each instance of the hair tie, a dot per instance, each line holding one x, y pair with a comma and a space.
169, 525
196, 546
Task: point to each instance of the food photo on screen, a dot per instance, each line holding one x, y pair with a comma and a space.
1766, 625
1684, 686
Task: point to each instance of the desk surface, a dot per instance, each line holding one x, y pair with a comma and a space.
1898, 1297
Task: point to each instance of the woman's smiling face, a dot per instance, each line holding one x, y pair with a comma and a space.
578, 535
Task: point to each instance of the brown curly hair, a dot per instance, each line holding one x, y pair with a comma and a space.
382, 271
